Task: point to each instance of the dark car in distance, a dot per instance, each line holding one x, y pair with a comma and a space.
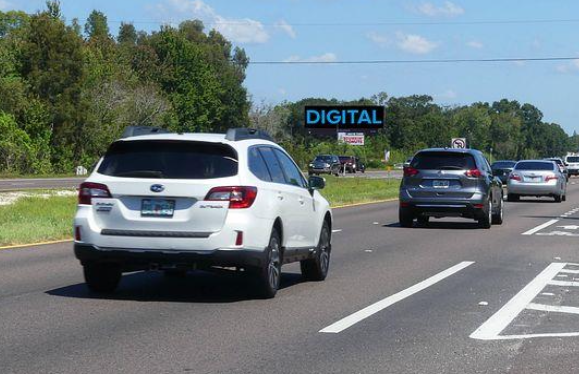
325, 164
443, 182
352, 164
502, 169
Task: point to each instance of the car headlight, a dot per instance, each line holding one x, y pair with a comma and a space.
326, 165
312, 165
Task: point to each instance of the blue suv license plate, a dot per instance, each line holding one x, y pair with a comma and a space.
157, 208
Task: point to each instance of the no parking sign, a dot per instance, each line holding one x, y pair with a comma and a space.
459, 143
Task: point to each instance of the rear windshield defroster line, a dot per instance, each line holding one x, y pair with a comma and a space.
169, 160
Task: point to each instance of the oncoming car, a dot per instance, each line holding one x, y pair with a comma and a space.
325, 164
179, 202
537, 178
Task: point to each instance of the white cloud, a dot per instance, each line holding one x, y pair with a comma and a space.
326, 57
4, 5
447, 9
238, 30
381, 40
570, 67
475, 44
285, 27
415, 44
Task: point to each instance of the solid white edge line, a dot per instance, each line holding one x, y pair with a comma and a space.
553, 308
336, 230
362, 314
491, 329
540, 227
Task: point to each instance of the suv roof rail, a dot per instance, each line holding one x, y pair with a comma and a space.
142, 130
246, 133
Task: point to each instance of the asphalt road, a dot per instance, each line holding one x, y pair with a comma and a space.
39, 183
452, 298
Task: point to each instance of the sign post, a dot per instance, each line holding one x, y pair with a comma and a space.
459, 143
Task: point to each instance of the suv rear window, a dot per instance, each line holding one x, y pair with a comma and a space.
169, 160
443, 161
534, 165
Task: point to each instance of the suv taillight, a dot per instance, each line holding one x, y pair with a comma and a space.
515, 177
88, 190
409, 171
239, 197
473, 173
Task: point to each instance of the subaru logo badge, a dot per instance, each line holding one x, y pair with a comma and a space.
157, 188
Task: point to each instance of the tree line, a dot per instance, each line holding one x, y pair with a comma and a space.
68, 90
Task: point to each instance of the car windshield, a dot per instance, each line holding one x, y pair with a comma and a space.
503, 164
323, 158
573, 159
345, 158
169, 160
534, 165
443, 161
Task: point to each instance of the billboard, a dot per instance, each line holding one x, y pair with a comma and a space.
352, 138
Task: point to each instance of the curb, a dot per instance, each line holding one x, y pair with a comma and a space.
367, 203
35, 244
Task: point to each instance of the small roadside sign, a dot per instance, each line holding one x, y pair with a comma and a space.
459, 143
352, 138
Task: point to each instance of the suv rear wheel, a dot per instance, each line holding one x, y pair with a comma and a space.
406, 217
316, 269
102, 278
486, 218
269, 275
498, 215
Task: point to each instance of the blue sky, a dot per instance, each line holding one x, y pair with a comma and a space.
337, 30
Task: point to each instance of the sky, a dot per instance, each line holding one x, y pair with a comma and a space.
348, 30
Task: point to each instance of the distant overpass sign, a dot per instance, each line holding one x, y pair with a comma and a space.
459, 143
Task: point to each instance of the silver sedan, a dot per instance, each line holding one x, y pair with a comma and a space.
537, 178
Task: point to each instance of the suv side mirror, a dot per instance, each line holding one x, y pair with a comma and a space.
316, 183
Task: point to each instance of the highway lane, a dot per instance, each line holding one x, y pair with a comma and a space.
39, 183
208, 323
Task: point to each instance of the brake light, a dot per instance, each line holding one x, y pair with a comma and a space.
515, 177
550, 177
409, 171
478, 206
473, 173
89, 190
239, 197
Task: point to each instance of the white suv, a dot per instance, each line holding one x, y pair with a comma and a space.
179, 202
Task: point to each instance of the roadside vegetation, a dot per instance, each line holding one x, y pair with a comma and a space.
341, 191
35, 217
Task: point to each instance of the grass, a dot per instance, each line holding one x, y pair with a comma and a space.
341, 191
35, 219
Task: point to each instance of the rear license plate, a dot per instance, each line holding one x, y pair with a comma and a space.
157, 208
533, 179
440, 184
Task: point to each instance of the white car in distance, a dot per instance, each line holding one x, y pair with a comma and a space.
180, 202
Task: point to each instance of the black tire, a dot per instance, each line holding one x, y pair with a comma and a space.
565, 196
498, 216
406, 217
423, 220
102, 278
485, 220
316, 269
268, 277
558, 198
512, 197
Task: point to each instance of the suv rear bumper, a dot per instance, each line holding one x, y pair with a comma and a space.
445, 209
138, 259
